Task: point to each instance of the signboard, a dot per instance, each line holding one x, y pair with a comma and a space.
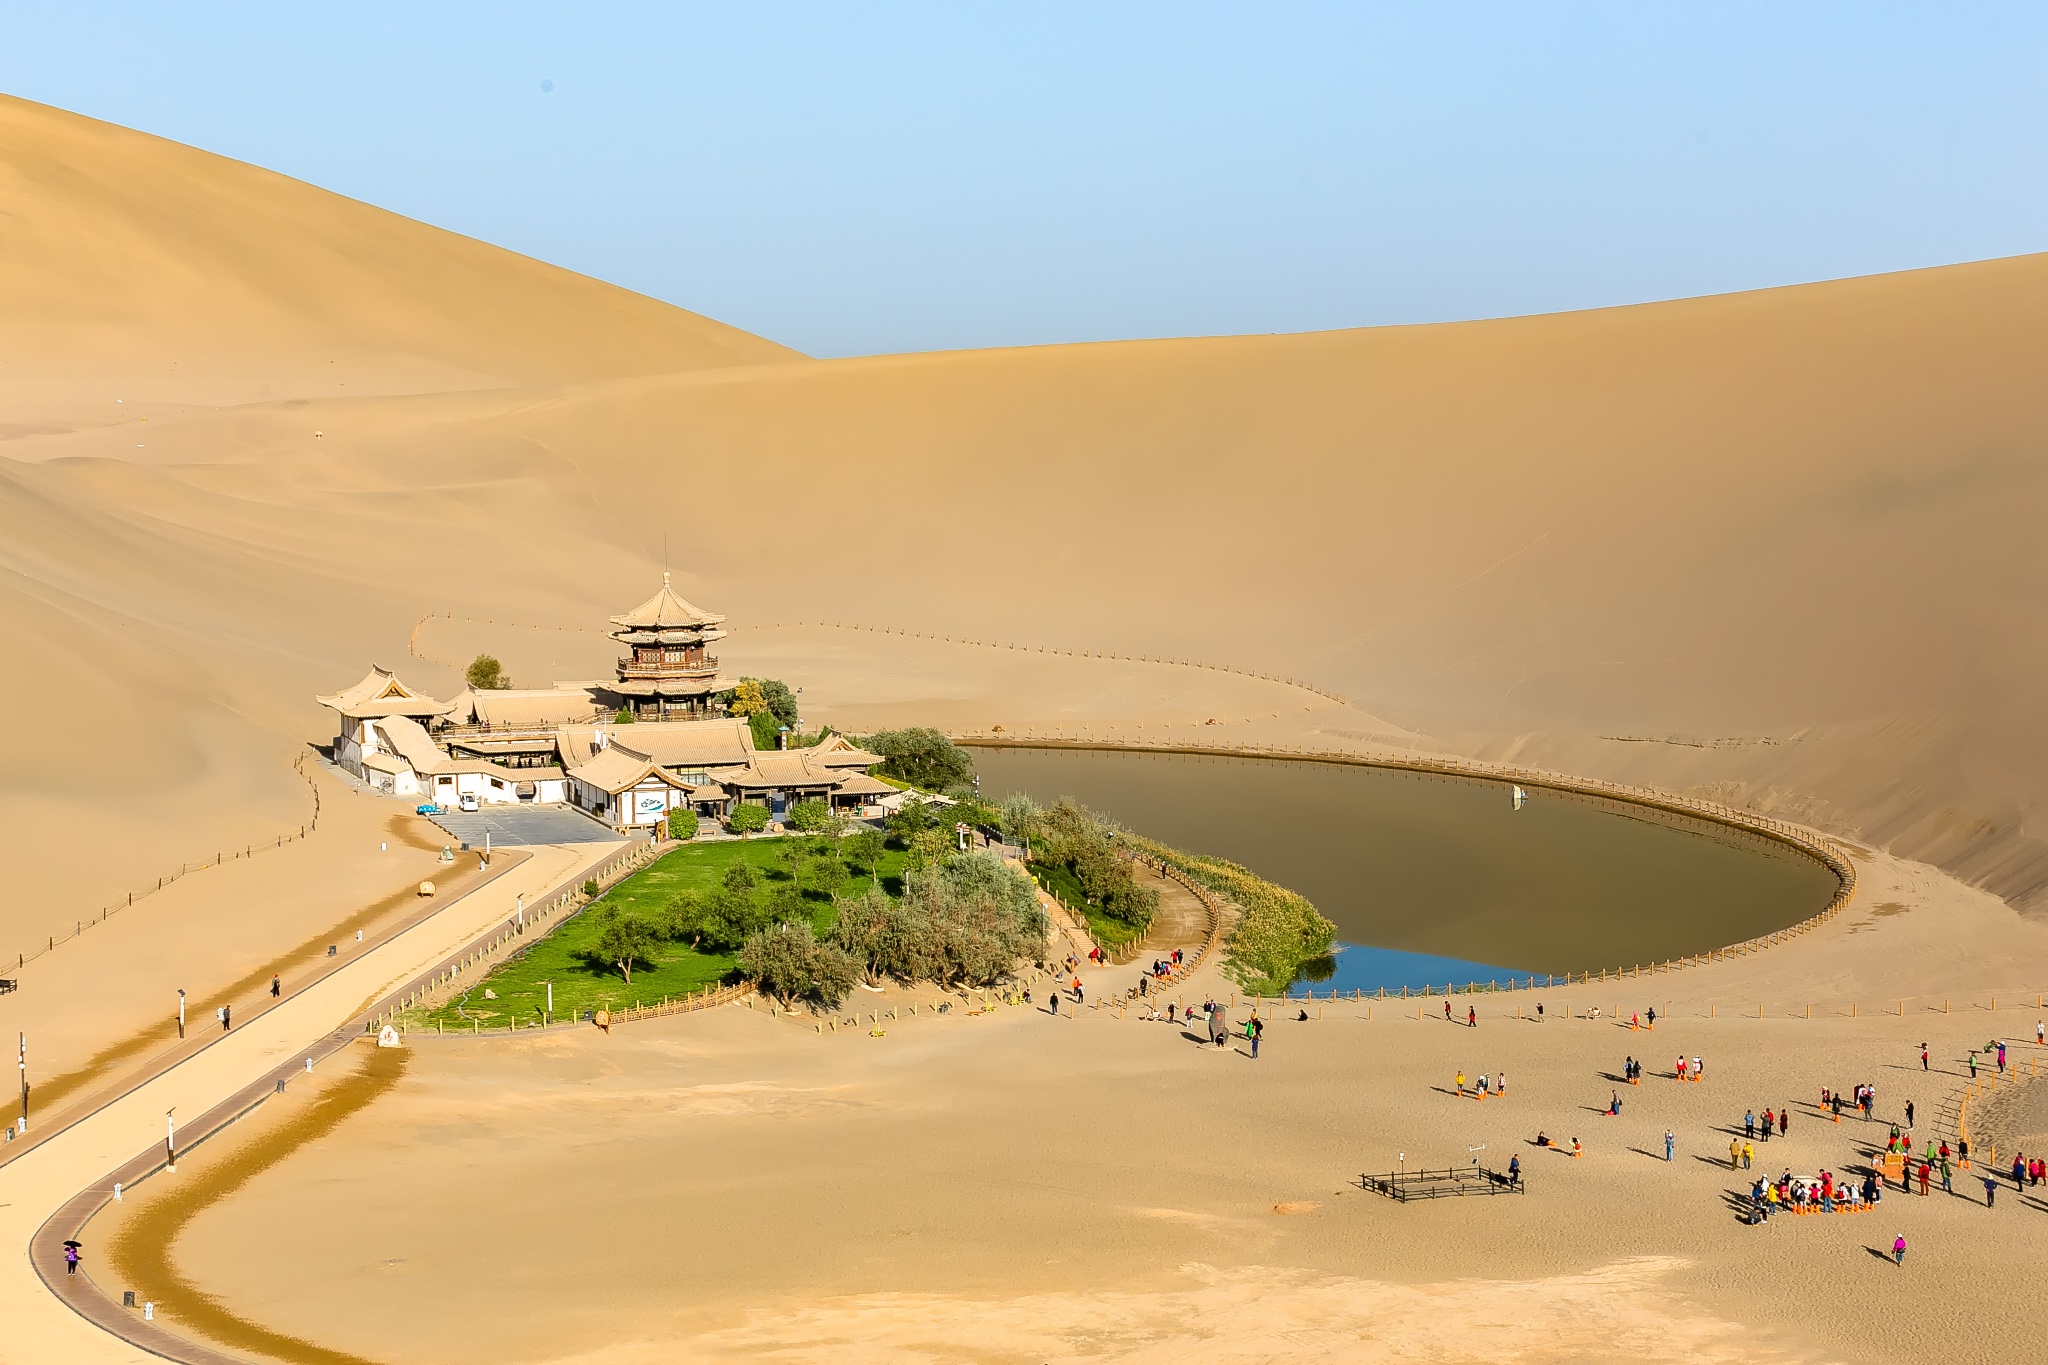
650, 805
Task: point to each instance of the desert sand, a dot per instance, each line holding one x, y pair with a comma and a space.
1018, 1187
1771, 548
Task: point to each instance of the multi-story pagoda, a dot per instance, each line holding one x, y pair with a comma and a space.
666, 675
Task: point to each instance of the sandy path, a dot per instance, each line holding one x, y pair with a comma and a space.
31, 1188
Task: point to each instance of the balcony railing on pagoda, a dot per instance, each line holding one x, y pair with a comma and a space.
655, 668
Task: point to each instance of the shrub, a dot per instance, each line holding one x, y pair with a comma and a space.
682, 823
765, 729
747, 818
624, 717
965, 922
788, 963
1019, 817
922, 757
808, 816
1073, 837
590, 886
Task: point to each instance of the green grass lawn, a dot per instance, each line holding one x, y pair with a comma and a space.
1066, 889
581, 982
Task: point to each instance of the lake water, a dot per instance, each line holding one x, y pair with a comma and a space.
1437, 879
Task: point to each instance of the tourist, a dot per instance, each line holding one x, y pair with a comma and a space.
1302, 1018
1770, 1121
1699, 1069
1679, 1070
1973, 1064
1947, 1176
1899, 1249
1472, 1021
1542, 1138
1447, 1010
276, 988
1670, 1143
1614, 1104
1653, 1016
1628, 1070
1923, 1056
1909, 1113
1254, 1028
1749, 1124
2001, 1058
1784, 1120
1482, 1085
2019, 1171
71, 1258
1539, 1011
1734, 1153
1577, 1150
2040, 1033
1500, 1085
1990, 1192
1514, 1170
1748, 1154
1052, 1003
1461, 1085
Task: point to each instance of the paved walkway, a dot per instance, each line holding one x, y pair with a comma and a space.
48, 1188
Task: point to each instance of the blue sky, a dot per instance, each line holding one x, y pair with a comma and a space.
853, 179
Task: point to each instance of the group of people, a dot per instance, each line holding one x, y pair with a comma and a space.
1696, 1071
1495, 1085
1863, 1099
1781, 1119
1822, 1194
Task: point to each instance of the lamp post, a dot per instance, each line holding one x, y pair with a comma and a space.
171, 1139
21, 1059
181, 1011
550, 984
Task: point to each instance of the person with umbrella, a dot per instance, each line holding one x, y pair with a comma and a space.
71, 1250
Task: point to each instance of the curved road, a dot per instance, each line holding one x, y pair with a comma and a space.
47, 1190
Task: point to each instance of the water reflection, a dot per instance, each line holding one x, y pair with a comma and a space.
1445, 870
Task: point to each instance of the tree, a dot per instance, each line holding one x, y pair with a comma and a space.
682, 823
788, 963
747, 819
927, 846
486, 674
826, 873
624, 717
740, 877
912, 818
746, 699
1020, 817
623, 940
808, 816
922, 757
864, 849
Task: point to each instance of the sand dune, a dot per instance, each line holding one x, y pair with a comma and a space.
1772, 546
136, 268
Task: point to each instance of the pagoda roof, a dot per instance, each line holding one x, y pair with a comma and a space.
379, 694
665, 610
617, 768
837, 751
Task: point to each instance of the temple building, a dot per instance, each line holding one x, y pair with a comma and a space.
626, 751
666, 675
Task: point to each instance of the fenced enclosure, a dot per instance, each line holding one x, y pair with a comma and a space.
1402, 1186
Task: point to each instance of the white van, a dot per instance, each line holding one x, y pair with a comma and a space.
467, 801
